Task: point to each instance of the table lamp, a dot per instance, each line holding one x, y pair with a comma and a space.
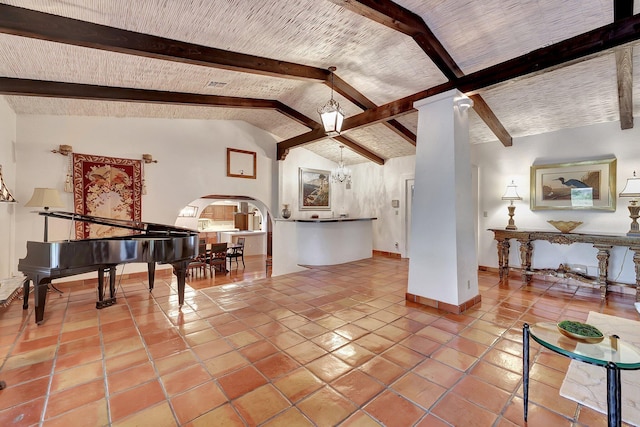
511, 194
632, 189
45, 198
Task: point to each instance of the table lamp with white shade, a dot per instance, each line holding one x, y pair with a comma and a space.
511, 194
632, 189
45, 198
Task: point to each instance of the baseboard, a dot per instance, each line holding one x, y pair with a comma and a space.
386, 254
450, 308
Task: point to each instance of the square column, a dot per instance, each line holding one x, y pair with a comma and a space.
443, 269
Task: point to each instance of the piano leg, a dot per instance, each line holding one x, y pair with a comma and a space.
100, 286
151, 268
112, 283
102, 302
180, 269
25, 293
40, 299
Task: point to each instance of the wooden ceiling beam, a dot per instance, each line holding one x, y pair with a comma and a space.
357, 148
485, 113
26, 87
398, 18
624, 68
547, 58
401, 130
44, 26
349, 92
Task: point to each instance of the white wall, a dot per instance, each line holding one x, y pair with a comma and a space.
289, 190
191, 157
373, 188
499, 165
7, 210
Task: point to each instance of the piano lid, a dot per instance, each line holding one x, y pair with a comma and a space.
136, 226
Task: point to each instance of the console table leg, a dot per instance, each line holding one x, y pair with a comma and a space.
636, 262
503, 258
525, 367
603, 266
526, 248
614, 396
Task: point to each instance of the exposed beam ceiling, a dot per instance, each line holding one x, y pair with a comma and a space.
44, 26
400, 19
576, 48
29, 23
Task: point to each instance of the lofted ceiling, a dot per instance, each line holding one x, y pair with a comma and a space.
530, 66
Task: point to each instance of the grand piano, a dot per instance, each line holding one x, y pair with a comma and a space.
147, 243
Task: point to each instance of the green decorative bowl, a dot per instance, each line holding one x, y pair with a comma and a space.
580, 331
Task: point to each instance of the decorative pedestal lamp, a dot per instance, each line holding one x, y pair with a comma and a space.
511, 194
632, 189
45, 198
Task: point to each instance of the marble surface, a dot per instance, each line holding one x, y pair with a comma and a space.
587, 384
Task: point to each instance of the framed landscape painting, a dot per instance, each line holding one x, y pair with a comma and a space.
315, 189
589, 184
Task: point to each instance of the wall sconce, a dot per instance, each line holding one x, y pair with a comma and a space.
511, 194
632, 189
148, 158
65, 150
45, 198
5, 194
463, 103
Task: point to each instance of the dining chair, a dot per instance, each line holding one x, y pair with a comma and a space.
218, 257
201, 262
236, 251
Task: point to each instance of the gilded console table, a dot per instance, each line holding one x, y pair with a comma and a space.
602, 242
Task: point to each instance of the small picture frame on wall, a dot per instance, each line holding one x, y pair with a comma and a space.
589, 184
315, 190
241, 163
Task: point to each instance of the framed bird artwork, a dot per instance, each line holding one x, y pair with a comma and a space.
587, 184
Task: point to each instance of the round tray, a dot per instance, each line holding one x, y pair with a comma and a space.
584, 338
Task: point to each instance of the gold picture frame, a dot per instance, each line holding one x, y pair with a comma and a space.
314, 189
581, 185
241, 163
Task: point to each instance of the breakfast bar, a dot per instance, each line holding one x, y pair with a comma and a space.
330, 241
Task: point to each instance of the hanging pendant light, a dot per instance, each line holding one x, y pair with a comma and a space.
341, 173
331, 114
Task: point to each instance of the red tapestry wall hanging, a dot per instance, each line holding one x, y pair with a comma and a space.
107, 187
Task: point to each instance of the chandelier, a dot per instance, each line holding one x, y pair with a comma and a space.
341, 173
331, 114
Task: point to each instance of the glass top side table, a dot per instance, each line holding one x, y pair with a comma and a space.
611, 352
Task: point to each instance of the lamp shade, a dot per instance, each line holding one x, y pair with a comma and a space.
45, 198
632, 188
332, 117
511, 193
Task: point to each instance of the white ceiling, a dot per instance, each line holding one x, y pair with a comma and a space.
382, 64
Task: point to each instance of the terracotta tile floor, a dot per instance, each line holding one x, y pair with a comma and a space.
330, 346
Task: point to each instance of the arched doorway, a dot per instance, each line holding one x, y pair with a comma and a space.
224, 218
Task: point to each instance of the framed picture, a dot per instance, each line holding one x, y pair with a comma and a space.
241, 163
587, 184
315, 189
